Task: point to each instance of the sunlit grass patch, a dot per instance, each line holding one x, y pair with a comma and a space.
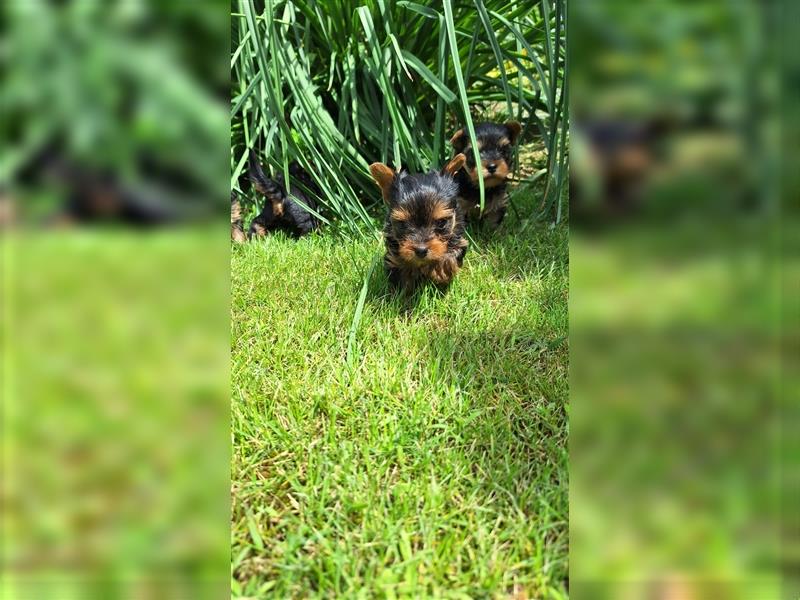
433, 465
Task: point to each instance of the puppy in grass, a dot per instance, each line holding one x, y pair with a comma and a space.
281, 210
496, 147
424, 229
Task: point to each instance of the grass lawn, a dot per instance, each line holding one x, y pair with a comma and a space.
115, 414
434, 462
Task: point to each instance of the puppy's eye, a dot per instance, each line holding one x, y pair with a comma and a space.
442, 223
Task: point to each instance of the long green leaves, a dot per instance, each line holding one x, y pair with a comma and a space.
336, 85
462, 90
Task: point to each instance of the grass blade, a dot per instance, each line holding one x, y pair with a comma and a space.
362, 298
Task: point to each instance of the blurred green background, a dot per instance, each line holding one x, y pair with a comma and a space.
129, 91
676, 449
115, 424
115, 428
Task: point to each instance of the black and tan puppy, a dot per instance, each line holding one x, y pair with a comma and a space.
281, 211
496, 146
424, 225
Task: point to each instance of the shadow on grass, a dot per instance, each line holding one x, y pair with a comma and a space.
509, 256
521, 364
509, 420
518, 249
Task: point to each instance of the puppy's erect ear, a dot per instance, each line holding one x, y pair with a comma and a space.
459, 140
455, 164
513, 130
383, 176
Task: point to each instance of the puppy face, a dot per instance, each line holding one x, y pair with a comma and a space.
422, 224
495, 145
422, 216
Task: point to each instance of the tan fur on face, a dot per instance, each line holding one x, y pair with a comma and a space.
400, 214
383, 176
275, 199
407, 253
437, 248
489, 181
461, 142
500, 173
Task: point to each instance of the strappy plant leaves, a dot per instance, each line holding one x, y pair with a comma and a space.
338, 85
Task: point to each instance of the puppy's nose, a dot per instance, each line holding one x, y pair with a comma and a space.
491, 167
420, 251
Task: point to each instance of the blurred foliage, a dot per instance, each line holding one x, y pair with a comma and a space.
675, 448
674, 454
674, 120
115, 369
133, 88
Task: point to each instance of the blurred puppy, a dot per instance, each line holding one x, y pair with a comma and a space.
496, 146
424, 226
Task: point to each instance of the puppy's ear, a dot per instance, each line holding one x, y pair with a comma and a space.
383, 176
459, 140
513, 128
455, 164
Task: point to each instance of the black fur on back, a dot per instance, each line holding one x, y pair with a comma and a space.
281, 210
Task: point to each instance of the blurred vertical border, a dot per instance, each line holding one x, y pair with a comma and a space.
683, 300
115, 298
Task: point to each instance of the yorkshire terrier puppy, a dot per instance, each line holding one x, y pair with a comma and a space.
281, 211
237, 233
424, 227
496, 146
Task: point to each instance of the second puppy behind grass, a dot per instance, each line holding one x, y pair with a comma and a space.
496, 147
281, 210
424, 230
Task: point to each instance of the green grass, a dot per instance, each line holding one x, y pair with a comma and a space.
115, 414
435, 465
675, 338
